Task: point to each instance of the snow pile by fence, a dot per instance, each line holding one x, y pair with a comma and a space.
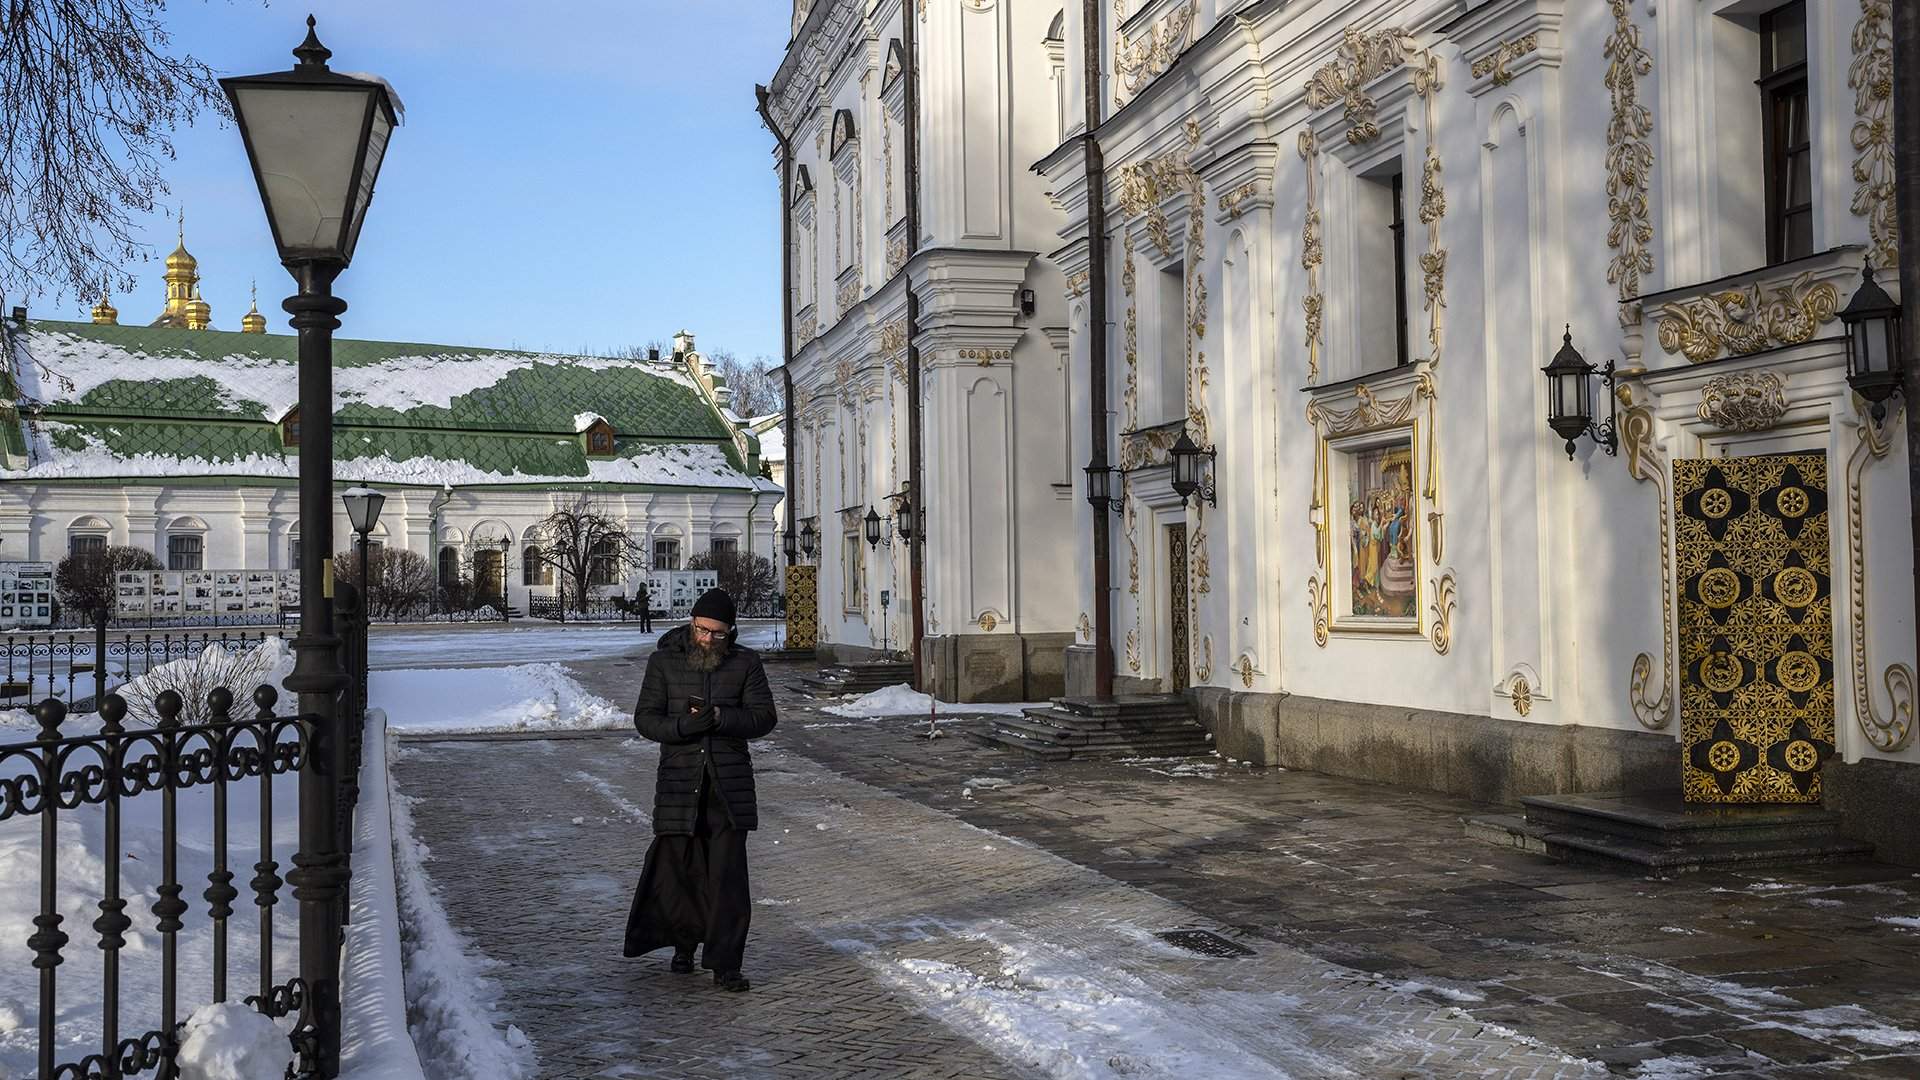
526, 697
904, 700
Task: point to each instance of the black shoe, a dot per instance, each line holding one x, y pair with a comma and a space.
731, 981
682, 963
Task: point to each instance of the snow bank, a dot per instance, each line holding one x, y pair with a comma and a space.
374, 1044
453, 1006
526, 697
904, 700
230, 1041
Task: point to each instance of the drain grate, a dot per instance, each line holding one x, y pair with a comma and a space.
1204, 942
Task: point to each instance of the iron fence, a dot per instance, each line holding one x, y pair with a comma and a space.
71, 667
59, 773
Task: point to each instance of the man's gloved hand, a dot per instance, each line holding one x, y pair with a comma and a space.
694, 725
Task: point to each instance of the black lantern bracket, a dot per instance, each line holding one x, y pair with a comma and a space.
1189, 478
1100, 490
1570, 411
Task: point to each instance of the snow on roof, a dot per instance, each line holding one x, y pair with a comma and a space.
773, 445
585, 420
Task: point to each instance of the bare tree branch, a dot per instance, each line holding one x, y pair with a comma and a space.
90, 93
579, 538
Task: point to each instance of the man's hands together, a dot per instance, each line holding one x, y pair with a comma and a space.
700, 720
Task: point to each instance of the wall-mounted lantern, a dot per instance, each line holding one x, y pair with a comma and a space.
1875, 367
1185, 454
1100, 489
1570, 411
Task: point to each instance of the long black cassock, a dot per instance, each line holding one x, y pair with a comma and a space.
693, 890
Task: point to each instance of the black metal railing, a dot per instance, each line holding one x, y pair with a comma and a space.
59, 773
70, 666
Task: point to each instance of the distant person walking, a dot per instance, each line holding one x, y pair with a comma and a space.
703, 697
646, 609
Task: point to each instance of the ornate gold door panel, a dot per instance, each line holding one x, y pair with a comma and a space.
803, 616
1756, 627
1177, 595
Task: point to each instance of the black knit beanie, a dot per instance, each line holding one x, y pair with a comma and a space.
714, 604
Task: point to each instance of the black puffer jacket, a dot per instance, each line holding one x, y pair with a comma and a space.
742, 704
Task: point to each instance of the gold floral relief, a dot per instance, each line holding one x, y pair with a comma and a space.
1362, 57
1137, 61
1245, 668
1741, 321
1744, 401
1654, 711
1495, 63
1311, 251
1629, 155
1445, 596
1520, 692
1870, 76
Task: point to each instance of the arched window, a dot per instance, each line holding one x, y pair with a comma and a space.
533, 570
666, 554
449, 567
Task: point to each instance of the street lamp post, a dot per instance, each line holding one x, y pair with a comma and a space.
315, 139
506, 545
363, 513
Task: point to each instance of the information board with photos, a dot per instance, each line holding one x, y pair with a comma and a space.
204, 593
26, 594
676, 590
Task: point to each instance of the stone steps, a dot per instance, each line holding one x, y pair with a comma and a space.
860, 678
1149, 725
1656, 832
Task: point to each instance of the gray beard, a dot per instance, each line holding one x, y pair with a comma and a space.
705, 658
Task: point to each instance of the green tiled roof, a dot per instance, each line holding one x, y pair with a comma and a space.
516, 420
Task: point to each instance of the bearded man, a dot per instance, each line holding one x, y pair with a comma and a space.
703, 698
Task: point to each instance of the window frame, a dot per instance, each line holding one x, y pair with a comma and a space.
178, 555
1783, 86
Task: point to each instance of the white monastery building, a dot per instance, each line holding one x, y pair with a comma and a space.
1342, 240
183, 440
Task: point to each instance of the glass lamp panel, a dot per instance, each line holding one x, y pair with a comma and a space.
1876, 335
380, 131
304, 142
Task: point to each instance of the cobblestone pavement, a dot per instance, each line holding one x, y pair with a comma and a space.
922, 902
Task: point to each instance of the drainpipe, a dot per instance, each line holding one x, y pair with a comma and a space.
786, 298
916, 459
1906, 160
1097, 354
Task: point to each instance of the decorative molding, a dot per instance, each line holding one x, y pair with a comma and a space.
1495, 64
1369, 412
1130, 333
1085, 627
987, 621
1444, 594
1742, 321
1433, 207
1311, 252
1521, 692
1138, 61
1744, 401
1133, 649
984, 357
1148, 446
1245, 667
893, 337
1894, 731
1362, 58
848, 294
1204, 669
1320, 604
1646, 463
1233, 201
1629, 160
1870, 76
1077, 284
1145, 186
1197, 559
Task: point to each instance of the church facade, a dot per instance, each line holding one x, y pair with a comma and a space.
994, 379
1344, 239
183, 440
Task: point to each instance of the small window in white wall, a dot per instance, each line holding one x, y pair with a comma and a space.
666, 554
1173, 344
184, 552
725, 545
853, 580
86, 544
1380, 271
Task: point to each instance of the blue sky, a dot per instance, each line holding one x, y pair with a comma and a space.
572, 174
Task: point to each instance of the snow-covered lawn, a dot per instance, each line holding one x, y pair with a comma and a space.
904, 700
524, 697
525, 643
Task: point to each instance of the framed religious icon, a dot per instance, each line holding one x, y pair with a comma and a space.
1378, 536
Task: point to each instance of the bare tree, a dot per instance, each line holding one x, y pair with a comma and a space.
399, 583
90, 93
747, 578
586, 546
756, 390
85, 581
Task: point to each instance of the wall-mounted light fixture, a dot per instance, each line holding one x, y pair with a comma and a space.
1100, 494
1570, 411
1875, 367
1188, 475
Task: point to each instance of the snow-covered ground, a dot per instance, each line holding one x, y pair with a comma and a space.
524, 697
523, 643
904, 700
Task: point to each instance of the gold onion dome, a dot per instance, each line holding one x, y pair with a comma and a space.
104, 313
253, 322
181, 260
199, 312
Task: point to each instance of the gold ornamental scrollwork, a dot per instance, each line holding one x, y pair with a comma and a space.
1138, 61
1311, 252
1245, 669
1203, 670
893, 337
1445, 596
1362, 58
1495, 63
1233, 202
1077, 284
1130, 334
1742, 321
1085, 627
1894, 730
1433, 207
1145, 186
1629, 158
988, 621
1645, 463
1870, 77
1520, 692
1745, 401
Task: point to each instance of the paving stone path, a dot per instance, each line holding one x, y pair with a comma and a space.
921, 904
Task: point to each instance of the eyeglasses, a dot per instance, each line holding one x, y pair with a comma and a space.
701, 631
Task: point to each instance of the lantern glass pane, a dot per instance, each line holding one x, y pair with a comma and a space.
1876, 337
304, 142
376, 151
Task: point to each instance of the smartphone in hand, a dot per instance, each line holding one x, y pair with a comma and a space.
696, 704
